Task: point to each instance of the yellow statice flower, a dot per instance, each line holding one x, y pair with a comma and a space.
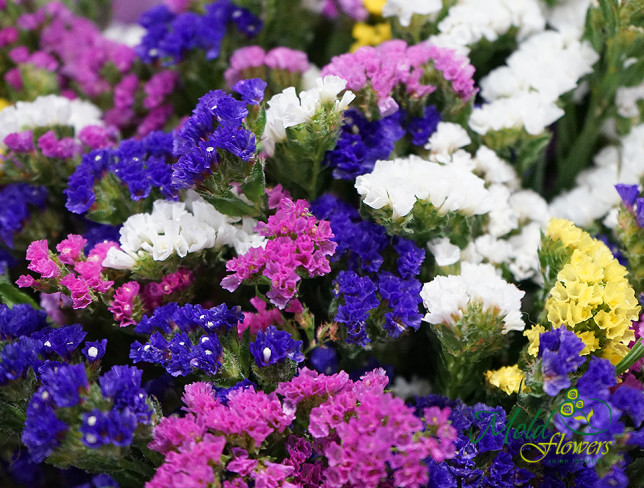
533, 336
508, 378
370, 35
4, 103
374, 7
592, 296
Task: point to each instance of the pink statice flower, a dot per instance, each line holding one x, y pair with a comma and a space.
252, 62
395, 64
124, 303
298, 245
260, 320
156, 294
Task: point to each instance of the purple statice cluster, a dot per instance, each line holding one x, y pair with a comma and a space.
104, 413
170, 36
298, 245
633, 202
215, 130
559, 350
365, 286
69, 270
126, 303
17, 202
363, 142
366, 435
285, 66
74, 58
393, 63
191, 339
142, 166
483, 459
272, 346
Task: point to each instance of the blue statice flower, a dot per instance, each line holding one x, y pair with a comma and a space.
64, 382
216, 125
170, 36
359, 294
122, 385
94, 350
362, 143
96, 233
141, 165
178, 354
639, 213
403, 297
628, 193
410, 257
251, 90
631, 402
421, 128
597, 380
62, 341
559, 351
221, 394
324, 359
114, 427
17, 200
43, 431
273, 346
20, 320
16, 358
360, 241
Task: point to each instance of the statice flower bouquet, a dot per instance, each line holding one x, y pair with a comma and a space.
322, 243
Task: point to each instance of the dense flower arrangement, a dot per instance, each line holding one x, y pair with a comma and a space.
328, 243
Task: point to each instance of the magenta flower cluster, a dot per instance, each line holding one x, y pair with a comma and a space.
395, 63
298, 245
68, 271
367, 436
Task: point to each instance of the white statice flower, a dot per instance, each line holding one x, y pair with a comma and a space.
128, 34
568, 17
524, 258
526, 110
594, 196
408, 390
487, 249
549, 63
286, 109
530, 206
467, 23
493, 169
447, 138
398, 184
47, 111
445, 253
446, 298
501, 218
180, 228
405, 9
627, 98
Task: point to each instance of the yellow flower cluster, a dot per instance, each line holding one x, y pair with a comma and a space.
370, 35
508, 378
592, 296
374, 7
4, 103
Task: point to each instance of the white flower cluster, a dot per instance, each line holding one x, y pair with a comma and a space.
568, 17
48, 111
128, 34
446, 298
627, 98
287, 110
515, 218
398, 184
180, 228
524, 92
467, 23
405, 9
594, 196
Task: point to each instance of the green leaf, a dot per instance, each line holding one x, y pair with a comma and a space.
229, 204
254, 187
10, 295
611, 18
634, 74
